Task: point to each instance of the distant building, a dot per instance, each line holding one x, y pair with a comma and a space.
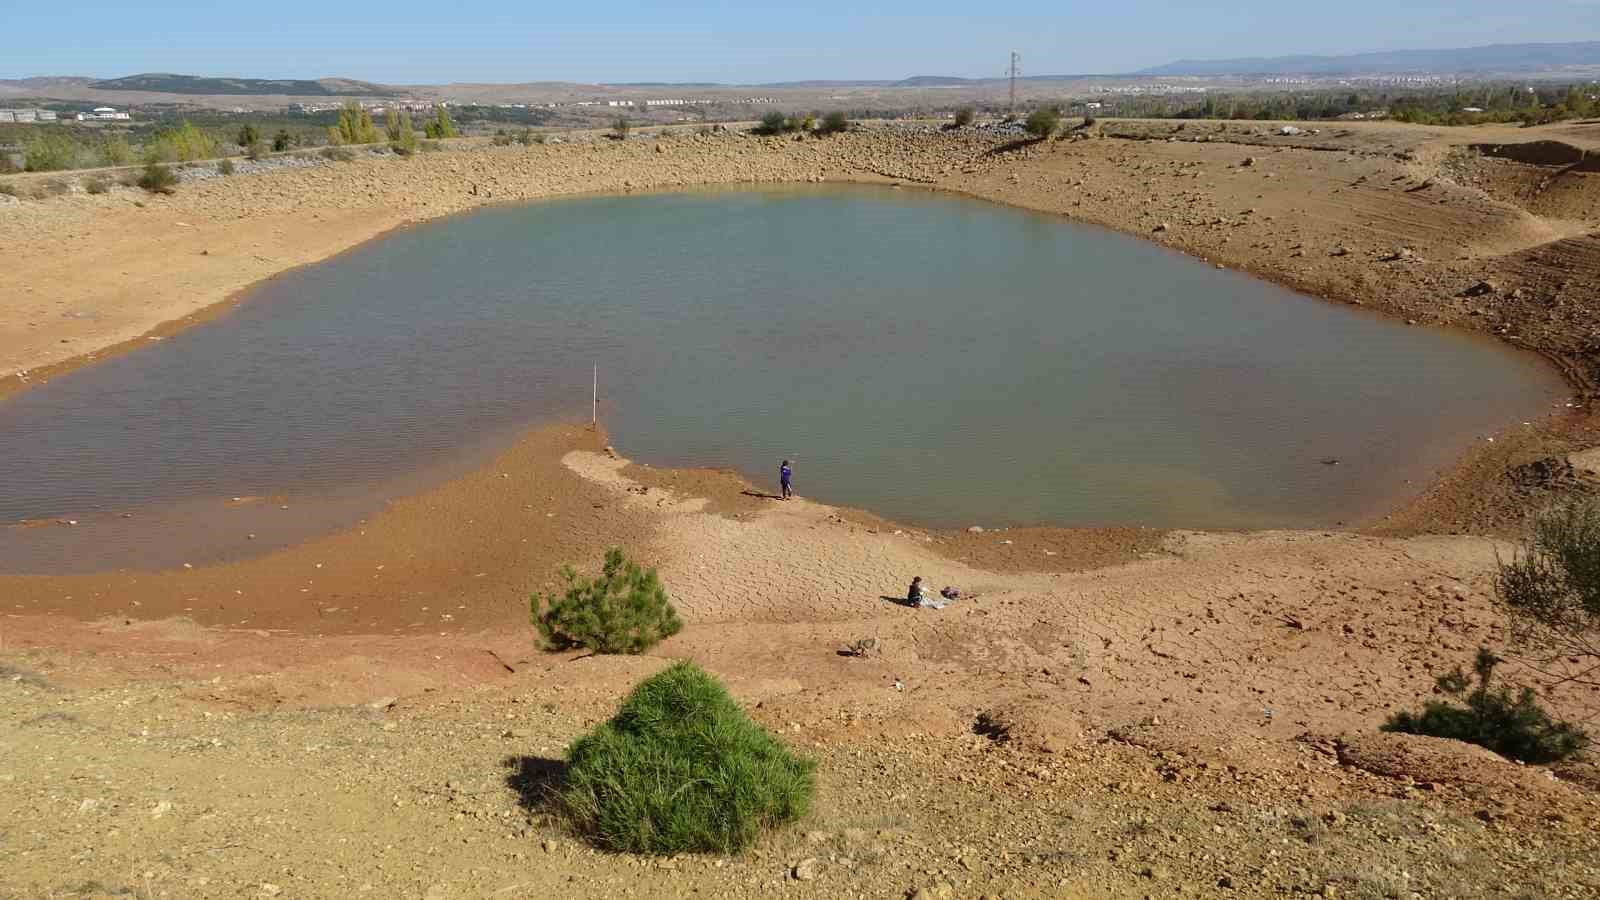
103, 113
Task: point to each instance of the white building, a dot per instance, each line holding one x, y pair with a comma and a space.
103, 113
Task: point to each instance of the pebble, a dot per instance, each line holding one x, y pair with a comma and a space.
806, 869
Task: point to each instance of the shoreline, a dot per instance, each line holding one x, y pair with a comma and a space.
353, 232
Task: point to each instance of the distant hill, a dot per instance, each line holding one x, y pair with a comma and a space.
1493, 58
167, 83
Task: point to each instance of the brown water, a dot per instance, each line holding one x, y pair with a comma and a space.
935, 359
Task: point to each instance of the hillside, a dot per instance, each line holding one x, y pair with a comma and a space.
168, 83
1496, 58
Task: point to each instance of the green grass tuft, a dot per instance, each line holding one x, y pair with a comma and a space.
681, 768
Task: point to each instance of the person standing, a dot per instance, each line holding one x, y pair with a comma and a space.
784, 474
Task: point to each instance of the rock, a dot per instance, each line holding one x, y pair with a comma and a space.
1339, 251
1225, 881
383, 703
161, 809
267, 889
806, 869
974, 529
550, 846
1480, 289
1247, 161
1164, 226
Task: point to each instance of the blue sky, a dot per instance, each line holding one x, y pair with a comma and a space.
411, 41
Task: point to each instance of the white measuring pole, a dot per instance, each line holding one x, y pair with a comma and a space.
594, 409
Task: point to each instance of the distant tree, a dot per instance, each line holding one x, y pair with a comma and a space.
183, 143
442, 126
619, 128
48, 151
402, 137
225, 167
281, 141
965, 116
248, 135
114, 151
256, 151
1043, 122
355, 126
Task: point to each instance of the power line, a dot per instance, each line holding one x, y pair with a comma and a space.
1012, 108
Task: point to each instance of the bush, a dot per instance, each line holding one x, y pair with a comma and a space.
1509, 723
281, 141
1551, 593
1043, 122
97, 185
772, 123
7, 188
619, 128
225, 167
833, 123
625, 610
501, 139
965, 116
48, 151
158, 179
248, 135
681, 768
337, 154
184, 143
255, 152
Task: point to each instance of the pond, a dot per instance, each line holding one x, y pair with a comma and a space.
939, 360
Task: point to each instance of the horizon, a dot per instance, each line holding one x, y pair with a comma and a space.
691, 43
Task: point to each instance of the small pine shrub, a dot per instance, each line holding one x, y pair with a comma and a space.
501, 139
158, 179
225, 167
7, 188
625, 610
965, 116
338, 154
97, 185
681, 768
1509, 723
620, 128
281, 141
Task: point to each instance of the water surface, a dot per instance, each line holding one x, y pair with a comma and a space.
939, 360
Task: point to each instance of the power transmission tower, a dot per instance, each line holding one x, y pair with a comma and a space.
1012, 108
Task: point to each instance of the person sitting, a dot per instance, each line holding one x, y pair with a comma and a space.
914, 593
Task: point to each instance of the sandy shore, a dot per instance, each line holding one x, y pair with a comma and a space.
1128, 714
